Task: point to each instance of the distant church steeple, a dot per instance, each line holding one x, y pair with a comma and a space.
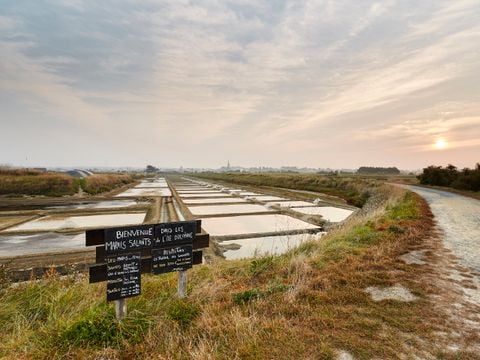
228, 164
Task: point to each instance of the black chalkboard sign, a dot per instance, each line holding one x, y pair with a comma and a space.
129, 238
169, 234
178, 258
123, 276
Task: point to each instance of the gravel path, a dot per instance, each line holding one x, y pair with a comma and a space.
459, 219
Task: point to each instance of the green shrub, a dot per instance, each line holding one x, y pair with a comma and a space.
182, 312
98, 327
246, 296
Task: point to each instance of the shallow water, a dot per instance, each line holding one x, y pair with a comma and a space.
213, 201
14, 245
251, 224
269, 245
329, 213
50, 223
227, 209
136, 192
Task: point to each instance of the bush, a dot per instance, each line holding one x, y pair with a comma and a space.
182, 312
467, 179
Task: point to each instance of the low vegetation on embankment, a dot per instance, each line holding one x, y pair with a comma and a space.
355, 191
32, 182
308, 303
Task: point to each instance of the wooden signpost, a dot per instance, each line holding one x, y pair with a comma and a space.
124, 253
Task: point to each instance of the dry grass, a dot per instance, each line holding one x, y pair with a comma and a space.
308, 303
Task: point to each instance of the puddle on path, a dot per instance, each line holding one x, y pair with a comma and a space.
227, 209
269, 245
329, 213
251, 224
51, 223
15, 245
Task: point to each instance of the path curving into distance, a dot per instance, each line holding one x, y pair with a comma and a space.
459, 219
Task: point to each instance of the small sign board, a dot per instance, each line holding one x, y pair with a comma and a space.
169, 234
123, 276
129, 238
178, 258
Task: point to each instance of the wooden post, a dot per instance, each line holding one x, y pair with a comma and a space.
182, 275
182, 284
120, 309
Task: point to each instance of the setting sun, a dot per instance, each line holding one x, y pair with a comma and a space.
440, 144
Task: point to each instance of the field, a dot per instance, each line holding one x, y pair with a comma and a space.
31, 182
355, 191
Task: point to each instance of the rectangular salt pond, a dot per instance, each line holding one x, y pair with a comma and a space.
51, 223
151, 185
186, 192
135, 192
213, 201
262, 246
267, 198
290, 204
329, 213
227, 209
15, 245
99, 205
251, 224
209, 195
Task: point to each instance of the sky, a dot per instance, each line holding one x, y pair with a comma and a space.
321, 83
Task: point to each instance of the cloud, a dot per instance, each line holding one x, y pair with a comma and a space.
245, 76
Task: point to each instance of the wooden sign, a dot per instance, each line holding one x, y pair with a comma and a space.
169, 234
123, 276
178, 258
128, 239
124, 253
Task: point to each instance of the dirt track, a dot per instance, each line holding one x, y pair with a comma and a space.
459, 219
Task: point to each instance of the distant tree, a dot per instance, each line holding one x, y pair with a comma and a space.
467, 179
151, 169
369, 170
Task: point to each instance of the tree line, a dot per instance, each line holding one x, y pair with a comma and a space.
450, 176
378, 170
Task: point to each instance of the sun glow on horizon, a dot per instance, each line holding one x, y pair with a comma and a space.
440, 144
